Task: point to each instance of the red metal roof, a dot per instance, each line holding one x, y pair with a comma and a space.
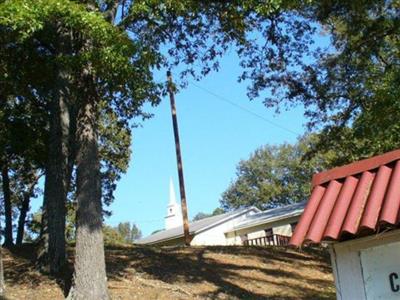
346, 201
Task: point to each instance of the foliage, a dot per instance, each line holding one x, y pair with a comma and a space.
364, 74
34, 225
103, 54
123, 51
202, 215
123, 233
29, 29
218, 211
129, 232
22, 125
112, 236
275, 175
114, 152
349, 87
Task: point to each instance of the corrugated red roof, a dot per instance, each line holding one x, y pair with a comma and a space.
345, 201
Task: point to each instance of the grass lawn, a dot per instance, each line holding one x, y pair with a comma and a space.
188, 273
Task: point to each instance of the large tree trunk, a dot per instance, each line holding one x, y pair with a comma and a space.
90, 280
8, 234
2, 283
53, 254
22, 218
23, 210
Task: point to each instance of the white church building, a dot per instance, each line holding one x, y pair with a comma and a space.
247, 226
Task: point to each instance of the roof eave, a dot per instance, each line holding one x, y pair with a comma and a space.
269, 221
227, 218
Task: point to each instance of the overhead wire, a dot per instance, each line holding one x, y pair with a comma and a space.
238, 106
224, 99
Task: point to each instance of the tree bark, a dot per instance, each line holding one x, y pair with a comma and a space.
90, 281
53, 254
22, 217
8, 234
23, 210
2, 283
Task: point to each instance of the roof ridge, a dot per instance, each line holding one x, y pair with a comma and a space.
281, 207
355, 167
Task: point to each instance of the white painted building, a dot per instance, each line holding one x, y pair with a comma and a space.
247, 226
207, 231
368, 268
269, 227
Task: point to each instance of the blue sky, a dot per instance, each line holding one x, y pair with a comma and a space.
215, 136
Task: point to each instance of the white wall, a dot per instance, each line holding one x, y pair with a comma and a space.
354, 270
234, 239
281, 227
216, 235
285, 229
256, 234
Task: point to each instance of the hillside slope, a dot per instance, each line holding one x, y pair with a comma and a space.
189, 273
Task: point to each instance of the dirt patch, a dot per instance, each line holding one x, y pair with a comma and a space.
190, 273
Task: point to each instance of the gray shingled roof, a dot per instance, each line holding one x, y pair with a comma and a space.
271, 215
194, 227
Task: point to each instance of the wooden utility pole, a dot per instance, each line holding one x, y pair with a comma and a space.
179, 160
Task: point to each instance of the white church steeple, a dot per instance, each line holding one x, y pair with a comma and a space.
174, 214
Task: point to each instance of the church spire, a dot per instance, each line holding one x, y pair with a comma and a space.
174, 214
172, 196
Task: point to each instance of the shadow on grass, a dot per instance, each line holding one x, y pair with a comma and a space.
199, 265
23, 270
180, 265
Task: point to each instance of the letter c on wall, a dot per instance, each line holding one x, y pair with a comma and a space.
392, 278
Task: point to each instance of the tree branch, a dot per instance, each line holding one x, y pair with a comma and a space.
111, 11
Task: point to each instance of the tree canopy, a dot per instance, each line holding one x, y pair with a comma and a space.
202, 215
348, 87
123, 233
98, 59
275, 175
74, 76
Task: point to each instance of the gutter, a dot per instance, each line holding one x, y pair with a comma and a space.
266, 221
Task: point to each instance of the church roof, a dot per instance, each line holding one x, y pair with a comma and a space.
271, 215
194, 227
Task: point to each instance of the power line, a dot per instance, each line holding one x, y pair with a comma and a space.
244, 109
224, 99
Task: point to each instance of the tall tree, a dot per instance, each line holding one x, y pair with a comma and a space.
8, 230
21, 125
26, 192
135, 233
361, 87
129, 232
275, 175
202, 215
111, 60
348, 84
